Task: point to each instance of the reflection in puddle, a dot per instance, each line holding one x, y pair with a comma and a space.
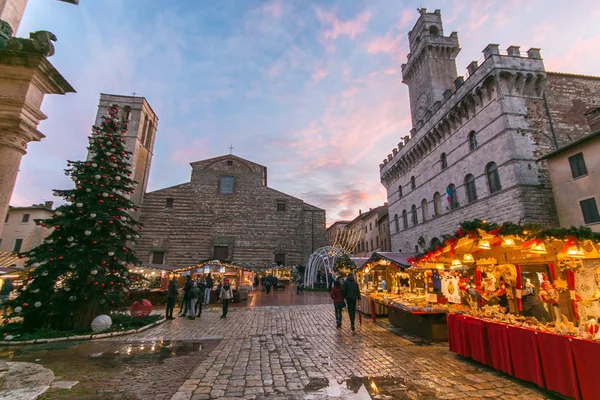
104, 354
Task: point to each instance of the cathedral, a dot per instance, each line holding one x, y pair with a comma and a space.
227, 212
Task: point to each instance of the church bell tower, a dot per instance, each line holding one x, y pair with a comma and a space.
431, 66
141, 133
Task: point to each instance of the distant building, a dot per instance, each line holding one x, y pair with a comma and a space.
473, 149
140, 137
372, 229
21, 233
228, 212
332, 231
575, 175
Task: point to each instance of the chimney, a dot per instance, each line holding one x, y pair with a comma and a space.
359, 212
48, 204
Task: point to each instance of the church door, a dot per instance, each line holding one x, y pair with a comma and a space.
221, 253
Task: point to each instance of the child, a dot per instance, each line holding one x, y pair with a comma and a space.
226, 294
338, 302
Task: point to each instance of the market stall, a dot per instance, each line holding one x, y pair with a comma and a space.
239, 278
529, 301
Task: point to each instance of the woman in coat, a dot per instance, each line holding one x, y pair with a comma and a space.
338, 302
226, 295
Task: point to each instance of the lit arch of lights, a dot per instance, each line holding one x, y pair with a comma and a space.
322, 259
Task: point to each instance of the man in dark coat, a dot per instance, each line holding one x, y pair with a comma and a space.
210, 283
171, 298
351, 293
186, 295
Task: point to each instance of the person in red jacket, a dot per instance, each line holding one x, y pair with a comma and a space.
338, 302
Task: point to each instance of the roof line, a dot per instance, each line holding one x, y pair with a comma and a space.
570, 145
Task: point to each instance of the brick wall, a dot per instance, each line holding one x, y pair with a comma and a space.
247, 221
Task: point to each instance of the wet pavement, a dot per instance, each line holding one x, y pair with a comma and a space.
272, 348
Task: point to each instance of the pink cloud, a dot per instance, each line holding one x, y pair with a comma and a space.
319, 73
197, 150
336, 28
406, 18
574, 56
274, 9
387, 44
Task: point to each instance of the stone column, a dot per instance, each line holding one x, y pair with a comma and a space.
11, 11
24, 80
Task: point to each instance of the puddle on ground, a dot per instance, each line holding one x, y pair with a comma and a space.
102, 354
392, 388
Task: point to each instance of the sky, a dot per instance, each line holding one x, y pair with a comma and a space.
311, 89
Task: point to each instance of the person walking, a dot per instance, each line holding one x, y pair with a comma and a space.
275, 282
209, 286
351, 293
268, 283
171, 298
226, 295
299, 283
186, 295
7, 288
194, 294
338, 302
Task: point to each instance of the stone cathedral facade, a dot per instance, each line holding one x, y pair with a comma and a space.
228, 212
475, 146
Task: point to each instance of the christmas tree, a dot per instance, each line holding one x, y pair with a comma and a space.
81, 269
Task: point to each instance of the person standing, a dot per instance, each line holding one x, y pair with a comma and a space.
338, 302
202, 290
7, 288
171, 298
351, 292
209, 286
275, 282
194, 294
268, 284
186, 295
299, 283
226, 295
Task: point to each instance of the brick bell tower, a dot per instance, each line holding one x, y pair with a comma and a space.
431, 66
141, 133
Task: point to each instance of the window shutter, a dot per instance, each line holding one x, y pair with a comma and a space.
589, 209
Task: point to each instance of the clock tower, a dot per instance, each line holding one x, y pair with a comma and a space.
431, 67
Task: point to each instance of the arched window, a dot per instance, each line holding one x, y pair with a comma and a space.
491, 170
396, 223
470, 188
126, 113
149, 135
472, 140
433, 30
400, 191
452, 196
413, 184
405, 219
415, 217
144, 130
424, 210
437, 204
444, 161
435, 242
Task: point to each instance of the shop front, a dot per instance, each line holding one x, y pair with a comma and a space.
528, 301
239, 278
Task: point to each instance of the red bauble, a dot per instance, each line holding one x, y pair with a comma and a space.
94, 242
25, 304
60, 257
100, 201
96, 283
110, 222
56, 226
43, 224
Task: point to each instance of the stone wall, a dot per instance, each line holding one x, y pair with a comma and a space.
246, 221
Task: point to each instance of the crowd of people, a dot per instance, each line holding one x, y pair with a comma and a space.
195, 293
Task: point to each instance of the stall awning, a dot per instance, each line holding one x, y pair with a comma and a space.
359, 261
8, 259
161, 267
399, 259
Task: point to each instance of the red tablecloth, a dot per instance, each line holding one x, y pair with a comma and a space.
525, 354
587, 354
558, 364
497, 341
454, 334
475, 331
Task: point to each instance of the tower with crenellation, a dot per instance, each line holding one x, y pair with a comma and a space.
140, 137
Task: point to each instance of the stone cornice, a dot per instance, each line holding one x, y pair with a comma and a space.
48, 77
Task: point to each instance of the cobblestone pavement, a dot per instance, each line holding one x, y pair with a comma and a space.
295, 352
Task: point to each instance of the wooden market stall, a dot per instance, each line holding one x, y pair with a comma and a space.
239, 278
531, 299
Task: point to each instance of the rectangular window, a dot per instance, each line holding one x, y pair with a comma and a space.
280, 205
589, 209
158, 257
370, 226
169, 204
367, 244
25, 218
372, 247
377, 241
577, 165
17, 245
6, 219
280, 258
222, 253
226, 186
229, 162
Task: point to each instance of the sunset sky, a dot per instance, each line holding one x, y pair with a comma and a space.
311, 89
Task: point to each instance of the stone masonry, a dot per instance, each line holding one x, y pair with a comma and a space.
516, 113
254, 224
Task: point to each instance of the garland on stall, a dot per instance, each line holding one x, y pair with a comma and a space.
474, 228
